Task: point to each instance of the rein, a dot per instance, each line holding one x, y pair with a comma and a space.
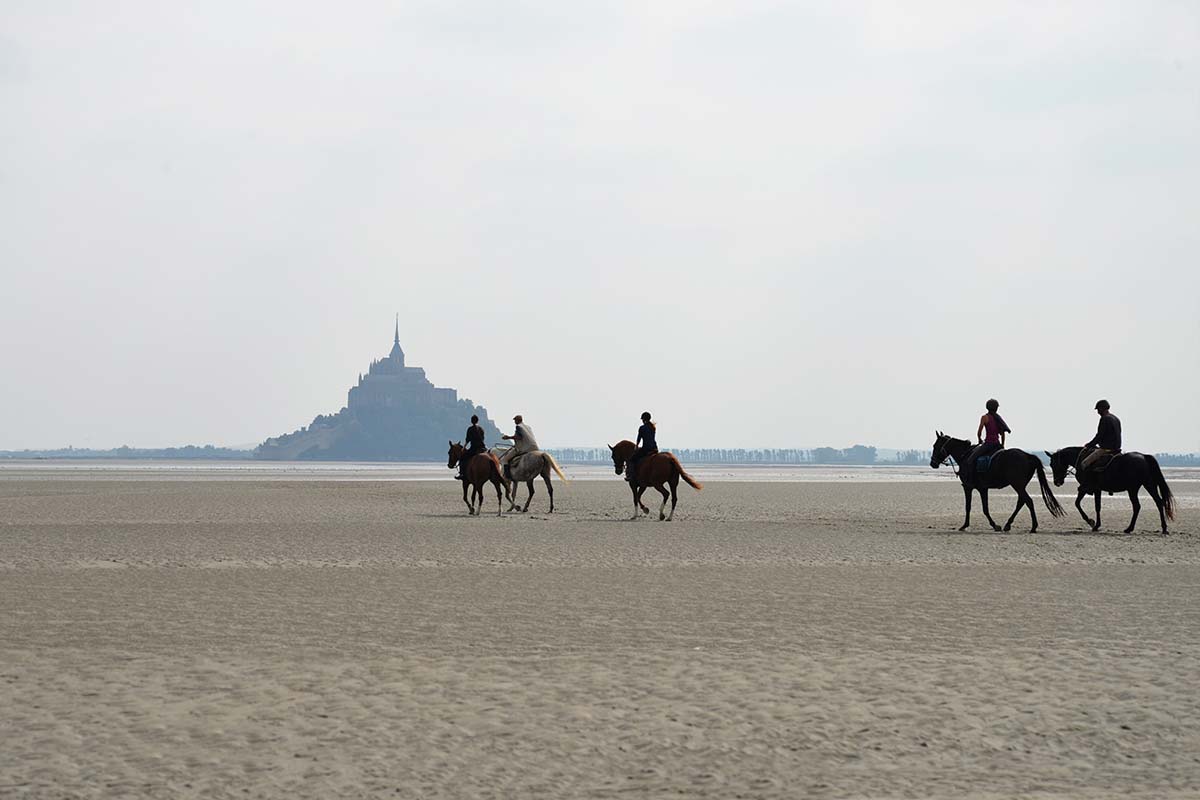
949, 459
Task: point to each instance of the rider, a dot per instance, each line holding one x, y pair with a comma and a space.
475, 445
647, 446
996, 429
1106, 442
523, 442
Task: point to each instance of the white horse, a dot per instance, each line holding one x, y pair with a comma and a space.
525, 468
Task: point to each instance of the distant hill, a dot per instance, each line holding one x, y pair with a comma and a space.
393, 413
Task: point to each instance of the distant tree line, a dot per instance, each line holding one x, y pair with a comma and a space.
189, 451
1178, 459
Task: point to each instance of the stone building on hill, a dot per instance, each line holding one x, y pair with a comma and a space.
393, 413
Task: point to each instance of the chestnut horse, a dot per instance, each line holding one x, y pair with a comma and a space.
658, 470
480, 469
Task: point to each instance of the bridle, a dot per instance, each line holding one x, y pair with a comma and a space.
947, 458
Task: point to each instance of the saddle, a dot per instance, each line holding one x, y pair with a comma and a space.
1103, 461
1090, 477
982, 463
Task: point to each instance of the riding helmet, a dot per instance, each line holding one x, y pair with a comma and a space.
993, 406
646, 416
1102, 405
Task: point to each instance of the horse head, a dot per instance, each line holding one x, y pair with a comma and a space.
1058, 466
621, 452
455, 453
938, 455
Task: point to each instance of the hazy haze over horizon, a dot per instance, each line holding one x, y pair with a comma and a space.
771, 224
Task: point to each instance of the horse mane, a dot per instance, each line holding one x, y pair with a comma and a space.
624, 449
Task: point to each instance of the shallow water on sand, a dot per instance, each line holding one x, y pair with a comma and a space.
357, 471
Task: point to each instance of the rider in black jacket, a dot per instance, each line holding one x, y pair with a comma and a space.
475, 444
647, 446
1106, 442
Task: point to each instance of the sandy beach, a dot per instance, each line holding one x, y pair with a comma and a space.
255, 638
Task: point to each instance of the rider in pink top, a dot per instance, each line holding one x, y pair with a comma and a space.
995, 427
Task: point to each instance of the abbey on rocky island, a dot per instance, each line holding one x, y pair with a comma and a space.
393, 413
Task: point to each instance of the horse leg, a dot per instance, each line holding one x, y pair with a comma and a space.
1158, 501
642, 490
662, 509
633, 491
1137, 507
983, 501
549, 488
1079, 504
510, 491
470, 507
967, 496
529, 499
1032, 511
1022, 499
1096, 524
499, 503
674, 496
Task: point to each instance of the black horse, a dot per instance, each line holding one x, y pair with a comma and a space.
1008, 468
1127, 472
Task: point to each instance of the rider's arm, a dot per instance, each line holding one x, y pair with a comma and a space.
1003, 434
979, 433
506, 436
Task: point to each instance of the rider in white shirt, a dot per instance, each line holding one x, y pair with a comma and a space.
523, 442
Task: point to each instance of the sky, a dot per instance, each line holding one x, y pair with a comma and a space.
771, 224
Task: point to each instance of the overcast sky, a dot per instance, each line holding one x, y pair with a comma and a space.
771, 224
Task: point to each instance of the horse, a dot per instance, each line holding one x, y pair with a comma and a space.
1127, 472
658, 470
1008, 468
525, 468
479, 470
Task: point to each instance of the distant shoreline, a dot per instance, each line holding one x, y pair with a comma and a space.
722, 457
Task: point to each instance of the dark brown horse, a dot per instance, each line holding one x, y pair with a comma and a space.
480, 469
659, 470
1012, 468
1127, 472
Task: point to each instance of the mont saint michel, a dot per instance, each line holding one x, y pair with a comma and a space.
393, 413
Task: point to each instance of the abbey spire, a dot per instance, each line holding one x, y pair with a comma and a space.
397, 353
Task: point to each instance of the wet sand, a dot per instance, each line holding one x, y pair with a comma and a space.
317, 639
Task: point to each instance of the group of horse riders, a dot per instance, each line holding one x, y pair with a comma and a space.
523, 441
644, 467
522, 438
1096, 453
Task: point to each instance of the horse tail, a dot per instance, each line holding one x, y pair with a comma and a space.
1156, 475
688, 479
1048, 497
554, 466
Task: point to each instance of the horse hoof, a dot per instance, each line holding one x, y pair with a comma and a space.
963, 528
1128, 530
996, 528
1095, 528
1007, 528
